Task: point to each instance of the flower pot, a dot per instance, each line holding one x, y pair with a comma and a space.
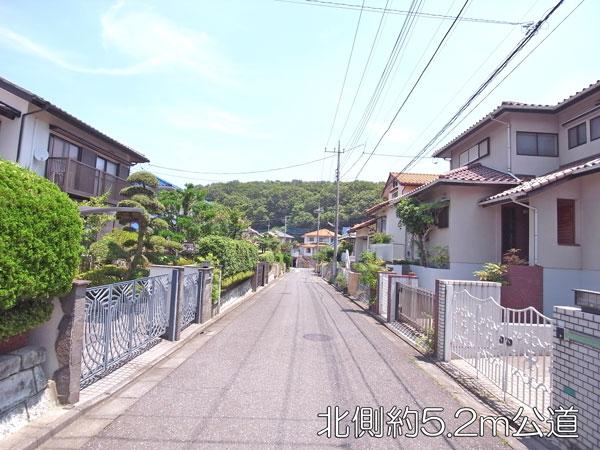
14, 343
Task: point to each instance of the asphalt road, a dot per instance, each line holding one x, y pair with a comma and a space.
259, 378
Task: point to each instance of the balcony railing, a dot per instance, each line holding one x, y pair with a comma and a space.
79, 179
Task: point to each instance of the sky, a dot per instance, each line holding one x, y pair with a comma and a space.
207, 89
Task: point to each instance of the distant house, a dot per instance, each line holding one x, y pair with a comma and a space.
315, 240
525, 177
383, 218
164, 185
281, 236
81, 160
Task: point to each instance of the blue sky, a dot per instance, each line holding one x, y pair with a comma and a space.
230, 86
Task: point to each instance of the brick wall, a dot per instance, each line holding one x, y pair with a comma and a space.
576, 370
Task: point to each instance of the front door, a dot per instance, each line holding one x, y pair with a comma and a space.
515, 229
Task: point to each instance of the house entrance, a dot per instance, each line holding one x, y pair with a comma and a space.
515, 229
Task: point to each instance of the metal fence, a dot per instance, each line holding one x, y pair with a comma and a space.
415, 306
191, 292
512, 348
121, 321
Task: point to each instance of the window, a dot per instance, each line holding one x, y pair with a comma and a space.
107, 166
577, 135
537, 144
565, 223
381, 224
442, 217
59, 148
474, 153
595, 128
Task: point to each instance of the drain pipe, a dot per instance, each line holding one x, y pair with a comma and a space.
535, 227
23, 116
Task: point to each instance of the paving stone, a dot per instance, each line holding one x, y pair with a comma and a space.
9, 364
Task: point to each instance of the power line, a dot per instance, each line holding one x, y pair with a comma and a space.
489, 80
416, 83
350, 6
243, 173
401, 40
337, 108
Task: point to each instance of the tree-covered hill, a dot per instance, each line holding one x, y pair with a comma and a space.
271, 201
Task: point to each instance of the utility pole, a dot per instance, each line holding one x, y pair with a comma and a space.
337, 207
319, 210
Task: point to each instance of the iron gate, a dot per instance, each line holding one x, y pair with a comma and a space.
512, 348
191, 292
121, 321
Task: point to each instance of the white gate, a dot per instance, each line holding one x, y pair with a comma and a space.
512, 348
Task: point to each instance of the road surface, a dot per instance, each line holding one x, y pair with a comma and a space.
259, 377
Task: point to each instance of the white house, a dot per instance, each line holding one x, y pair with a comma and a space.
316, 240
526, 177
81, 160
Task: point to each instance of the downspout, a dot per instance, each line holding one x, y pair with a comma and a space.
23, 116
535, 227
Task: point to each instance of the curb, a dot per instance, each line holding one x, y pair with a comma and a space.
47, 431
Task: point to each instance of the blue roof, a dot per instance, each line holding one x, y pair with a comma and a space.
165, 184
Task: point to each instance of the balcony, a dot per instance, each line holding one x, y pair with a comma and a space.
80, 180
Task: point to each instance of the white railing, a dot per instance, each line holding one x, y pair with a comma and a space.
415, 305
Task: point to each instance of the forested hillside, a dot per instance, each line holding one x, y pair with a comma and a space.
264, 201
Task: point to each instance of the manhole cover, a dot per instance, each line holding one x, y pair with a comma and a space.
317, 337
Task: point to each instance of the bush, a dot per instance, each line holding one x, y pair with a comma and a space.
268, 257
368, 267
233, 255
40, 247
439, 258
492, 272
109, 274
324, 255
380, 238
340, 281
235, 279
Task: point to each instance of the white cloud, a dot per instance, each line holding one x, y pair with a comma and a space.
213, 119
139, 33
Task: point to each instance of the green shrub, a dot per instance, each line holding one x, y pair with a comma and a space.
341, 281
235, 279
233, 255
107, 274
439, 257
267, 256
40, 247
492, 272
380, 238
324, 255
368, 267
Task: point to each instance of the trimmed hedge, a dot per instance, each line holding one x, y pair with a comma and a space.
235, 279
234, 255
40, 247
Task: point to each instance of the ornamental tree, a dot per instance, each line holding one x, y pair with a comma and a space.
40, 247
419, 219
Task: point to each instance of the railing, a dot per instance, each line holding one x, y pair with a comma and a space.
121, 321
77, 178
191, 291
415, 305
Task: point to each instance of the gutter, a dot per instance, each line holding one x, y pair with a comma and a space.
535, 227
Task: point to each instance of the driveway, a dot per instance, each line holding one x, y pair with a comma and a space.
260, 377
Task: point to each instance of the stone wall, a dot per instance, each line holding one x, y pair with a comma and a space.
23, 383
576, 370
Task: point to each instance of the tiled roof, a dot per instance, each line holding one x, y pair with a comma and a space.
517, 106
378, 206
539, 182
412, 179
470, 174
323, 232
364, 224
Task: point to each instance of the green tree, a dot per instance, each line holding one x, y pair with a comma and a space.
418, 218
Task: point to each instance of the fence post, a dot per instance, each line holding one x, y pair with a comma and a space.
198, 318
206, 294
69, 344
175, 305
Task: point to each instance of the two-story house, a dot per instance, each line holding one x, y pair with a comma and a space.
526, 177
315, 241
40, 136
383, 218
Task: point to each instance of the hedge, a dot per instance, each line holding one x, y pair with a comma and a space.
40, 247
235, 279
234, 255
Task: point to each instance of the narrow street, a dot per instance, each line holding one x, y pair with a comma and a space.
259, 377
